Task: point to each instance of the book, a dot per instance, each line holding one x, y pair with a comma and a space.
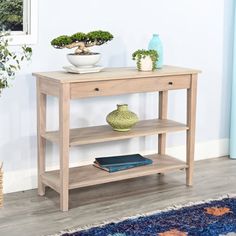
116, 168
121, 160
118, 163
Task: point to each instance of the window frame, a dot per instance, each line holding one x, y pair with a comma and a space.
29, 35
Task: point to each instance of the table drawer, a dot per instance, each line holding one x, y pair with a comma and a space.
124, 86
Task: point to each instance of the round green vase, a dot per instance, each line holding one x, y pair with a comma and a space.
122, 119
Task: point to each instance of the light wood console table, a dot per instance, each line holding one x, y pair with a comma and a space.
113, 81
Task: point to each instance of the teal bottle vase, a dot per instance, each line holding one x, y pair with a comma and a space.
122, 119
156, 44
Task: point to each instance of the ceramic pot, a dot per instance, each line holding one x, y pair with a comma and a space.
146, 64
156, 44
122, 119
84, 61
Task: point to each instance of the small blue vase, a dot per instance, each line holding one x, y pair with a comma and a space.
156, 44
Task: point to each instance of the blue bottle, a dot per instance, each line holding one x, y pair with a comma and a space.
156, 44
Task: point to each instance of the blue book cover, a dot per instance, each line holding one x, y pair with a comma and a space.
121, 160
116, 168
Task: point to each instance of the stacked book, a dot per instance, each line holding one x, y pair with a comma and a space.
118, 163
1, 184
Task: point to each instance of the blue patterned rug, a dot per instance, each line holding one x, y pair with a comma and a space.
214, 218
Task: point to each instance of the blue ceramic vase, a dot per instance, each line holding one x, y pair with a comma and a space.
156, 44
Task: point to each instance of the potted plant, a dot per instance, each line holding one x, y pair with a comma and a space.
10, 61
82, 57
145, 59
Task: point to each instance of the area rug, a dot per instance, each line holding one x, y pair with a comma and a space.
208, 218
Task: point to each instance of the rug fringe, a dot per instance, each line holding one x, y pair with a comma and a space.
173, 207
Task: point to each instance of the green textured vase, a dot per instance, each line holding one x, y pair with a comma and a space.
122, 119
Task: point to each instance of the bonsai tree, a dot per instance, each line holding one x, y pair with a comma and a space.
10, 62
139, 55
82, 41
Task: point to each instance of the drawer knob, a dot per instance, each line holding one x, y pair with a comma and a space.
96, 89
170, 83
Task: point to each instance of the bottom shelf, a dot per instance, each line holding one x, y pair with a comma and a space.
89, 175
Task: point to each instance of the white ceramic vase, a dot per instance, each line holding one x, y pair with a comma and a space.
146, 64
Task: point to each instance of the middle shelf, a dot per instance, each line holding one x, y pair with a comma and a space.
104, 133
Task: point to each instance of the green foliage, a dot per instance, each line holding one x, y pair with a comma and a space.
100, 36
11, 12
139, 54
78, 37
90, 39
10, 62
61, 41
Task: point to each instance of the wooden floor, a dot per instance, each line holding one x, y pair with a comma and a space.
26, 214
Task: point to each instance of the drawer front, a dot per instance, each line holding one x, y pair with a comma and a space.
125, 86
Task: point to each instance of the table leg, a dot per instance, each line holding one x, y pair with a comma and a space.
191, 120
41, 128
163, 106
64, 129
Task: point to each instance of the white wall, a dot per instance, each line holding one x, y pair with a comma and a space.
195, 33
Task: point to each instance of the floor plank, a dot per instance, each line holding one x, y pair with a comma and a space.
25, 212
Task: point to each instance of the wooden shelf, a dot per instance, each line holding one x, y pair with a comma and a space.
98, 134
111, 82
89, 175
113, 74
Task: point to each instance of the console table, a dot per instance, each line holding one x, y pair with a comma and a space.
111, 81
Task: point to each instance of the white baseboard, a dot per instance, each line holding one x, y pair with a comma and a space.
15, 181
204, 150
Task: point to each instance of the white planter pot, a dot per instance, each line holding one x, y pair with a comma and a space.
83, 61
146, 64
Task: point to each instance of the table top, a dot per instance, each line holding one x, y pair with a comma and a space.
113, 74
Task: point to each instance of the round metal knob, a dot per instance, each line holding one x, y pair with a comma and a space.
170, 83
96, 89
